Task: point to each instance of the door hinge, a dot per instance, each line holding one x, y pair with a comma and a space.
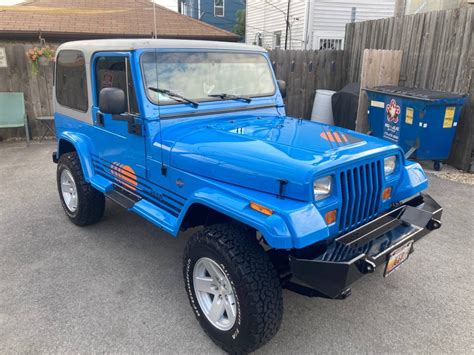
135, 128
99, 119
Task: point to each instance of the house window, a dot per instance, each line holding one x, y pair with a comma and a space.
277, 39
219, 8
330, 44
71, 80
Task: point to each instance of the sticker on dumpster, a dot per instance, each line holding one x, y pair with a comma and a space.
409, 116
392, 125
449, 117
379, 104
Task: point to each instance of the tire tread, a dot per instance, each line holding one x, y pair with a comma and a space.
258, 276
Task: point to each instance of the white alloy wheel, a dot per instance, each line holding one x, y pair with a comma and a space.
69, 190
215, 294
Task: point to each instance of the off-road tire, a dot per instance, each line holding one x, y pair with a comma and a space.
254, 281
91, 203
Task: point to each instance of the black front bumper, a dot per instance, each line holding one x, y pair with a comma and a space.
359, 252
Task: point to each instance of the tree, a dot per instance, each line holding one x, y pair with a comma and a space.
239, 27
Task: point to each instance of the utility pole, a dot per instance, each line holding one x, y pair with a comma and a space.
287, 24
179, 6
154, 18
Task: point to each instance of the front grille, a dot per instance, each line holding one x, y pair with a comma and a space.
361, 188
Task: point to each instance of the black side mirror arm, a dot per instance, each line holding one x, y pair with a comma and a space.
282, 88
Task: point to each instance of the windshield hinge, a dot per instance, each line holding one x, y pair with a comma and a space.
164, 169
282, 182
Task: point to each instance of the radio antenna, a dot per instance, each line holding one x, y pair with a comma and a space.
154, 18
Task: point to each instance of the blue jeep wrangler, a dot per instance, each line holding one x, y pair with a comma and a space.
191, 133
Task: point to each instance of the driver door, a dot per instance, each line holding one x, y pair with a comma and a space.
119, 144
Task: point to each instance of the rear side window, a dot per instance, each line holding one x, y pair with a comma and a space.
71, 80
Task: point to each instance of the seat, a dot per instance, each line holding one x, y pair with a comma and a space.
12, 112
47, 123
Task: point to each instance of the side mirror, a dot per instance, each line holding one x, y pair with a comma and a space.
113, 101
282, 87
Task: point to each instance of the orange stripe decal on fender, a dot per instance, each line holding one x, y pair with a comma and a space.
125, 175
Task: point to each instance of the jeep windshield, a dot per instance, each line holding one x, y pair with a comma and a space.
207, 76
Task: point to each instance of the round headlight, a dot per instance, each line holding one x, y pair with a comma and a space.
389, 164
322, 187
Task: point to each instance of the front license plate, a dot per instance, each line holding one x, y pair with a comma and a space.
397, 258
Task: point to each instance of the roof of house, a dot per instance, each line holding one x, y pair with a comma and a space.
91, 46
80, 19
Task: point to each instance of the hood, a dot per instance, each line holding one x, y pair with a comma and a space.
258, 152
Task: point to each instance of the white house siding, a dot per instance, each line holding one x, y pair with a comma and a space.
317, 19
329, 17
264, 19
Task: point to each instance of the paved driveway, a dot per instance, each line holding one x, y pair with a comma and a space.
117, 286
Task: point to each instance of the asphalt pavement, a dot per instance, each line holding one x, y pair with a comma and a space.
117, 286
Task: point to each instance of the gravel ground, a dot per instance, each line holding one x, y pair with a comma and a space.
117, 286
449, 173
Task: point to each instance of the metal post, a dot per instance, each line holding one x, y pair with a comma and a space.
287, 23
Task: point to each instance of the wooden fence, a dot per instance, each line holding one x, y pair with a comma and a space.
437, 54
37, 89
304, 72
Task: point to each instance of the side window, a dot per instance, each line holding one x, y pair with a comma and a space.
71, 80
115, 72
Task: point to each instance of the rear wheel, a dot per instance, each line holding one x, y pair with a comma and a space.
233, 288
81, 202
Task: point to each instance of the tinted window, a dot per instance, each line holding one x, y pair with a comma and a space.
71, 80
115, 72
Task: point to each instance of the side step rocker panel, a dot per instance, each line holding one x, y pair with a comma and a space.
122, 197
142, 207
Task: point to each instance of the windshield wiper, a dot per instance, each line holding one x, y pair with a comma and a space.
173, 95
224, 96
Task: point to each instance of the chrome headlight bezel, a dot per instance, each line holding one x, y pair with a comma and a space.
322, 187
390, 165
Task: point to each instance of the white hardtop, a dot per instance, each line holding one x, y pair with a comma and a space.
89, 47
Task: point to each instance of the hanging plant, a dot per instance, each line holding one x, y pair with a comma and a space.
40, 56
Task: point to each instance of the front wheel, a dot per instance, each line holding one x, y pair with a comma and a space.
233, 288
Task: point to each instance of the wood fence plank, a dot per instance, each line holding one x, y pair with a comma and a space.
460, 84
379, 67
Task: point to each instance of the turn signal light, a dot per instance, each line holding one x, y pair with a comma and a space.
387, 193
262, 209
330, 216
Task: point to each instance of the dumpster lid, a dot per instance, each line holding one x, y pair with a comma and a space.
423, 94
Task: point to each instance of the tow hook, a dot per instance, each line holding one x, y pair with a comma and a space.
369, 266
433, 224
344, 294
55, 157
